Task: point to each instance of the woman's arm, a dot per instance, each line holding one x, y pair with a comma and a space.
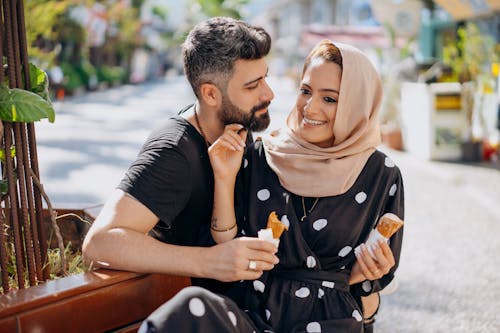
226, 154
379, 273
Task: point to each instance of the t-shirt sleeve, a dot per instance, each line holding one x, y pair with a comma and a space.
159, 179
395, 205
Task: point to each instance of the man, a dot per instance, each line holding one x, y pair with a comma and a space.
158, 219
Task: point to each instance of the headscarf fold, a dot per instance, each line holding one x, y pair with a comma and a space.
308, 170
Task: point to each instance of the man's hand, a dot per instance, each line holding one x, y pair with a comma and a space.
229, 261
227, 151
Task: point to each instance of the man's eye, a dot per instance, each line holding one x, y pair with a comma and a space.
330, 100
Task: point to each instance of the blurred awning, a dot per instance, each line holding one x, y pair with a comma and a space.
360, 36
469, 9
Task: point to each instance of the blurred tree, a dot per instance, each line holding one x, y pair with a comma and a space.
199, 10
210, 8
41, 17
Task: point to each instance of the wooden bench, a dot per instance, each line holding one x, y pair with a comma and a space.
98, 301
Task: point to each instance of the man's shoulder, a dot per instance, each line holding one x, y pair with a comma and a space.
171, 134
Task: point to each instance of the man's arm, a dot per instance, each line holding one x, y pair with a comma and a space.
118, 239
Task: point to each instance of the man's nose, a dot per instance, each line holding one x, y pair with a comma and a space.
268, 93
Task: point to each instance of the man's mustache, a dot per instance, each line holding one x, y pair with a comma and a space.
261, 106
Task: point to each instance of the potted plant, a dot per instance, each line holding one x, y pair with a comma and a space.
470, 56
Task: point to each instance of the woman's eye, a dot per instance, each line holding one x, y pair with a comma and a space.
330, 100
304, 91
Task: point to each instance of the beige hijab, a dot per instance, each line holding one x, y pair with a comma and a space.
308, 170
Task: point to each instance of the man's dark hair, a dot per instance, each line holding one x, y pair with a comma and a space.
212, 47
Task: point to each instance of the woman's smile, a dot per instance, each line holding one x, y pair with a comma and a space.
312, 122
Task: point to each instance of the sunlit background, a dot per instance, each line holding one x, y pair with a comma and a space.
92, 45
115, 72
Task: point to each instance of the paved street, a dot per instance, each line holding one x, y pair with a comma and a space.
449, 276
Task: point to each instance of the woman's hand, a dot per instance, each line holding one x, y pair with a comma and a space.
368, 268
227, 151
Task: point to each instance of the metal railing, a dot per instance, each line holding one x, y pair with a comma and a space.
22, 234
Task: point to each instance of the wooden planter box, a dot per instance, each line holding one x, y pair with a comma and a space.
97, 301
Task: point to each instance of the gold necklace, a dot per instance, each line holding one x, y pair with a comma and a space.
199, 126
307, 211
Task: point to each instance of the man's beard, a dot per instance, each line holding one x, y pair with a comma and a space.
231, 114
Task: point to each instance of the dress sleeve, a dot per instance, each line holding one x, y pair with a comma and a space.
394, 204
154, 180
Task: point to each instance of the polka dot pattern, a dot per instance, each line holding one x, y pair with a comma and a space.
196, 307
287, 197
321, 293
232, 317
366, 286
263, 194
360, 197
389, 163
284, 220
245, 163
393, 189
356, 315
303, 292
259, 286
313, 327
310, 262
328, 284
345, 251
268, 314
319, 224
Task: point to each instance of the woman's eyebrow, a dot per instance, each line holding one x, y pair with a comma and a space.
322, 89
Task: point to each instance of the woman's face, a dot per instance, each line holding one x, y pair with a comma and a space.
317, 102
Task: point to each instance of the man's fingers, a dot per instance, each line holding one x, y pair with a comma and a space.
258, 244
263, 256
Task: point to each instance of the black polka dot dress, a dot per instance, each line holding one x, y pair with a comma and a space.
308, 291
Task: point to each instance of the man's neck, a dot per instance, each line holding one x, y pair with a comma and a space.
208, 124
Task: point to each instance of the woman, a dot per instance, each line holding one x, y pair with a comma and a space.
326, 181
324, 178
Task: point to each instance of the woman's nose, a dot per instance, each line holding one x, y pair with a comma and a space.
309, 105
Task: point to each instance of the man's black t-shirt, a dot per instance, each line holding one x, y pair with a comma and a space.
172, 176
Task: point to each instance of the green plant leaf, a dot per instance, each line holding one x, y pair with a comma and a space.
39, 82
4, 187
12, 153
18, 105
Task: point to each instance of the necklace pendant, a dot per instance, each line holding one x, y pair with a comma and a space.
303, 218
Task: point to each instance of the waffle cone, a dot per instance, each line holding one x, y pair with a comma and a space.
275, 225
389, 223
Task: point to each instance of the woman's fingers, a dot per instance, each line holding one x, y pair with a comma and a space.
383, 257
368, 266
236, 133
230, 139
376, 266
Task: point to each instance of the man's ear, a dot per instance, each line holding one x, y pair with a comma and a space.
210, 94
